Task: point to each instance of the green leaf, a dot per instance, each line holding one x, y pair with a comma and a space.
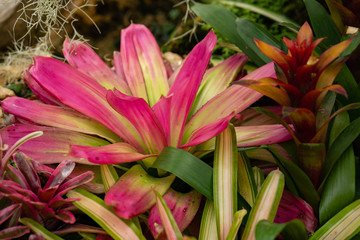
186, 167
280, 18
246, 181
339, 188
88, 236
224, 21
300, 179
353, 45
322, 23
238, 217
247, 31
108, 175
344, 225
266, 203
311, 160
37, 228
347, 80
294, 230
225, 180
208, 229
341, 143
103, 215
171, 228
325, 109
258, 177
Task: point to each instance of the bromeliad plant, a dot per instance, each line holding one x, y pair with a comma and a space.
94, 115
302, 84
43, 203
10, 212
24, 195
137, 109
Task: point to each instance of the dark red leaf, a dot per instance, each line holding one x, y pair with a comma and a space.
25, 166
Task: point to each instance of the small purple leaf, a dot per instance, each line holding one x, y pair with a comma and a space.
25, 166
8, 211
62, 171
73, 183
14, 232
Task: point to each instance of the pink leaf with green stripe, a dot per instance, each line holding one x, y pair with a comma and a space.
56, 116
83, 58
186, 85
53, 146
84, 94
143, 65
139, 113
234, 99
262, 134
109, 154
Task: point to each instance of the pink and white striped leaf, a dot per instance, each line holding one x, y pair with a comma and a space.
266, 203
225, 180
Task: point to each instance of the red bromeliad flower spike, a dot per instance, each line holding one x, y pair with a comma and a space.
303, 77
303, 81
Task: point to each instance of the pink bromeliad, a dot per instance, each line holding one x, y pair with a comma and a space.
93, 115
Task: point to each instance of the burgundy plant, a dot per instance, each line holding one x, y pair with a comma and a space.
42, 202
